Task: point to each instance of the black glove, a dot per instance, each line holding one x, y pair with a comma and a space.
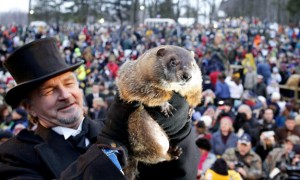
115, 129
177, 126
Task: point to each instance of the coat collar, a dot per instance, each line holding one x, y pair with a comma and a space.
58, 153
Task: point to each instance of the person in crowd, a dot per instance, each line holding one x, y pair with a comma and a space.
224, 138
208, 97
289, 129
260, 89
211, 112
206, 157
202, 127
243, 159
67, 145
272, 87
222, 89
266, 144
220, 170
264, 69
96, 92
267, 123
279, 155
224, 108
276, 75
236, 88
5, 114
272, 103
287, 111
19, 120
250, 79
245, 123
98, 111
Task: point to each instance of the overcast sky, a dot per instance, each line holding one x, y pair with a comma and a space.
22, 5
14, 5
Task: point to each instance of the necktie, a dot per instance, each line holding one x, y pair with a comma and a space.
78, 141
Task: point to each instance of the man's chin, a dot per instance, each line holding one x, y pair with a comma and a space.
69, 120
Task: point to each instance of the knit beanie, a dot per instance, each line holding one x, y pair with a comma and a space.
203, 143
220, 167
219, 171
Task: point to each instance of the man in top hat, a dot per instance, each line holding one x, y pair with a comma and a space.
243, 159
66, 144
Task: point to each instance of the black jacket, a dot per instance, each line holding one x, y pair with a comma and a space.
45, 154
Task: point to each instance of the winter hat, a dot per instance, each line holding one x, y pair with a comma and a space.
275, 70
275, 96
294, 139
203, 144
207, 120
219, 171
245, 139
200, 124
220, 167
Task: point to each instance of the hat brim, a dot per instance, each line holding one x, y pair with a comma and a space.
244, 142
16, 94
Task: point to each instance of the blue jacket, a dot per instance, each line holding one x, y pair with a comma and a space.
222, 90
218, 147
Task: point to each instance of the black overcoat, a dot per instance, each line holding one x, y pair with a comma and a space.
45, 154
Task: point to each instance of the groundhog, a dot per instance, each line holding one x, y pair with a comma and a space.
152, 80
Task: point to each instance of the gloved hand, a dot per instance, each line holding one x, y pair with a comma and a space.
115, 129
176, 126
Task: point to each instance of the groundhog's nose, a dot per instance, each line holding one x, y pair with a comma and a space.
186, 76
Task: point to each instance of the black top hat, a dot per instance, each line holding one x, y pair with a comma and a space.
33, 64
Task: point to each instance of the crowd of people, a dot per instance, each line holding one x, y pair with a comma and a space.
243, 119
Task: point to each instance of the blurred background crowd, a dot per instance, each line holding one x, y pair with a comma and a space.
249, 114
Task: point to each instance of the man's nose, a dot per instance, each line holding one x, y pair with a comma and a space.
63, 92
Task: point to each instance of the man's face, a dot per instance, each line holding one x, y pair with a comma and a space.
288, 146
268, 115
58, 102
95, 88
290, 124
225, 125
243, 148
259, 80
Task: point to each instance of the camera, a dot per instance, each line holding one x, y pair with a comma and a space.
289, 170
239, 164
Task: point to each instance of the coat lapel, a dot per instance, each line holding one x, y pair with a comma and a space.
58, 153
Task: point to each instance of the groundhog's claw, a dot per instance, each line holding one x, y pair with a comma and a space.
175, 152
167, 109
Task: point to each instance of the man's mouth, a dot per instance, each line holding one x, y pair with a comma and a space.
65, 107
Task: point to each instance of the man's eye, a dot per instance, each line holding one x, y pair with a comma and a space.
69, 84
47, 92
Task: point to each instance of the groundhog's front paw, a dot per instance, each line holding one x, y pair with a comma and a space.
167, 109
175, 152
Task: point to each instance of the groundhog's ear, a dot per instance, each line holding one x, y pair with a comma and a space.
161, 52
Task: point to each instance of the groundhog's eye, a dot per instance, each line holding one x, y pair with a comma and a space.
173, 62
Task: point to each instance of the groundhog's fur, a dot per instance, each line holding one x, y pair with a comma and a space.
151, 80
